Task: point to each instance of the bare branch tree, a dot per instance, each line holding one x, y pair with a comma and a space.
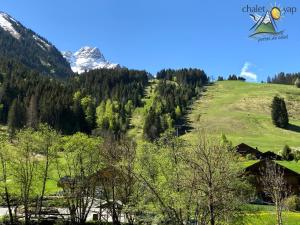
216, 182
275, 186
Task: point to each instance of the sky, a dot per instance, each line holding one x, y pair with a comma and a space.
156, 34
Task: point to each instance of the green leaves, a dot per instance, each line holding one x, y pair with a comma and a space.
279, 112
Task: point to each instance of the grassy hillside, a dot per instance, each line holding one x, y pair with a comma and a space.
138, 116
241, 111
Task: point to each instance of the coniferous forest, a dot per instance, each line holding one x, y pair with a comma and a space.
97, 99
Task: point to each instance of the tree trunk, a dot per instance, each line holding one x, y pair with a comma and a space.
7, 199
211, 210
279, 214
115, 217
26, 212
44, 187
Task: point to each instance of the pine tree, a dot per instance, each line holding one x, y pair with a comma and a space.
89, 108
15, 118
284, 114
297, 82
152, 126
32, 112
178, 112
279, 113
79, 117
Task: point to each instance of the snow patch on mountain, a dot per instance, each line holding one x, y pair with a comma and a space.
43, 44
6, 24
86, 59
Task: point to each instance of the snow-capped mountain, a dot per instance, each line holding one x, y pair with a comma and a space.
86, 59
6, 22
265, 19
27, 47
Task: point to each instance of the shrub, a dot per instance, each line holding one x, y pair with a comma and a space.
296, 154
297, 83
250, 157
279, 113
292, 203
286, 153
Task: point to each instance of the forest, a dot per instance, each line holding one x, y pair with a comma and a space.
284, 78
173, 94
98, 99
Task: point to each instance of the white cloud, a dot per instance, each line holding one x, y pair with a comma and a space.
246, 73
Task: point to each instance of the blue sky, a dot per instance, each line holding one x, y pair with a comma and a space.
156, 34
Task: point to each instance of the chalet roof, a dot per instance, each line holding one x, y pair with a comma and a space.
243, 145
271, 155
264, 161
245, 149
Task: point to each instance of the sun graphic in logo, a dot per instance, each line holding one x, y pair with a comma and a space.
276, 13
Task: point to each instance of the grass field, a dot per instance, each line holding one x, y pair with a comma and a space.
269, 218
241, 111
265, 215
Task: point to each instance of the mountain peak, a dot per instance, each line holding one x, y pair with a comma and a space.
90, 52
8, 24
32, 50
88, 58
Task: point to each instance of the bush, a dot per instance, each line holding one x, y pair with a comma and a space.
292, 203
296, 154
287, 153
250, 157
279, 113
297, 83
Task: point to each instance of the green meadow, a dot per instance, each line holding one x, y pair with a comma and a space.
241, 111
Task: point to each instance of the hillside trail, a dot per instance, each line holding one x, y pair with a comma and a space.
138, 116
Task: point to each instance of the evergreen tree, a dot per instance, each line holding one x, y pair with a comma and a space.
89, 108
79, 117
297, 82
15, 117
152, 126
178, 112
279, 112
32, 112
220, 78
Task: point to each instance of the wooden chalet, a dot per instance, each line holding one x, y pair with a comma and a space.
255, 173
270, 156
245, 150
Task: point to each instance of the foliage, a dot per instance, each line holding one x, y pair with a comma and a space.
220, 78
67, 105
173, 94
182, 180
287, 153
234, 77
16, 116
297, 82
279, 112
82, 161
284, 78
219, 189
292, 203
